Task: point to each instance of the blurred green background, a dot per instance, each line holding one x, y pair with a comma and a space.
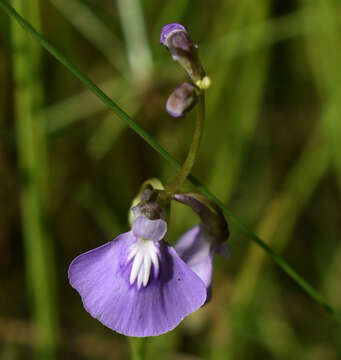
271, 151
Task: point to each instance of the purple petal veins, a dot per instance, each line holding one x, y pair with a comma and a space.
197, 252
135, 286
196, 248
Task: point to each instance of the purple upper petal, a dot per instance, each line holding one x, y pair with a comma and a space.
149, 229
197, 252
169, 28
101, 276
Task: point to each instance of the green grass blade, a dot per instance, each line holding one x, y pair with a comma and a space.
144, 135
33, 168
134, 30
107, 133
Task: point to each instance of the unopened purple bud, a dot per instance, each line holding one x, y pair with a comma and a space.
181, 100
171, 29
175, 38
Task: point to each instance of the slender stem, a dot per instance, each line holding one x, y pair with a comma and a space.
245, 229
138, 348
186, 168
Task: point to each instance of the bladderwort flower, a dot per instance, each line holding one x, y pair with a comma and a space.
137, 284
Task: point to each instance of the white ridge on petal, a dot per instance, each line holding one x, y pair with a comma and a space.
132, 252
136, 267
144, 255
146, 269
155, 261
140, 277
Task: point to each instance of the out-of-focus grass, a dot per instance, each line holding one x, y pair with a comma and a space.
137, 45
97, 167
170, 11
327, 69
95, 31
79, 106
32, 156
240, 121
284, 210
277, 224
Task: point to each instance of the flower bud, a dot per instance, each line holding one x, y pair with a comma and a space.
175, 38
212, 219
181, 100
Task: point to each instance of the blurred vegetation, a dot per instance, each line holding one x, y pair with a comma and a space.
271, 151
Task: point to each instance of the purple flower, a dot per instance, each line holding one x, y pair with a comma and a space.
137, 284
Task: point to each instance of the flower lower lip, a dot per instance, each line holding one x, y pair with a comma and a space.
101, 276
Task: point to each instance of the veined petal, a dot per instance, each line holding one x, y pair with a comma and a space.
149, 229
101, 276
197, 253
140, 277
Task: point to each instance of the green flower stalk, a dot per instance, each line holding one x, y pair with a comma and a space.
176, 39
